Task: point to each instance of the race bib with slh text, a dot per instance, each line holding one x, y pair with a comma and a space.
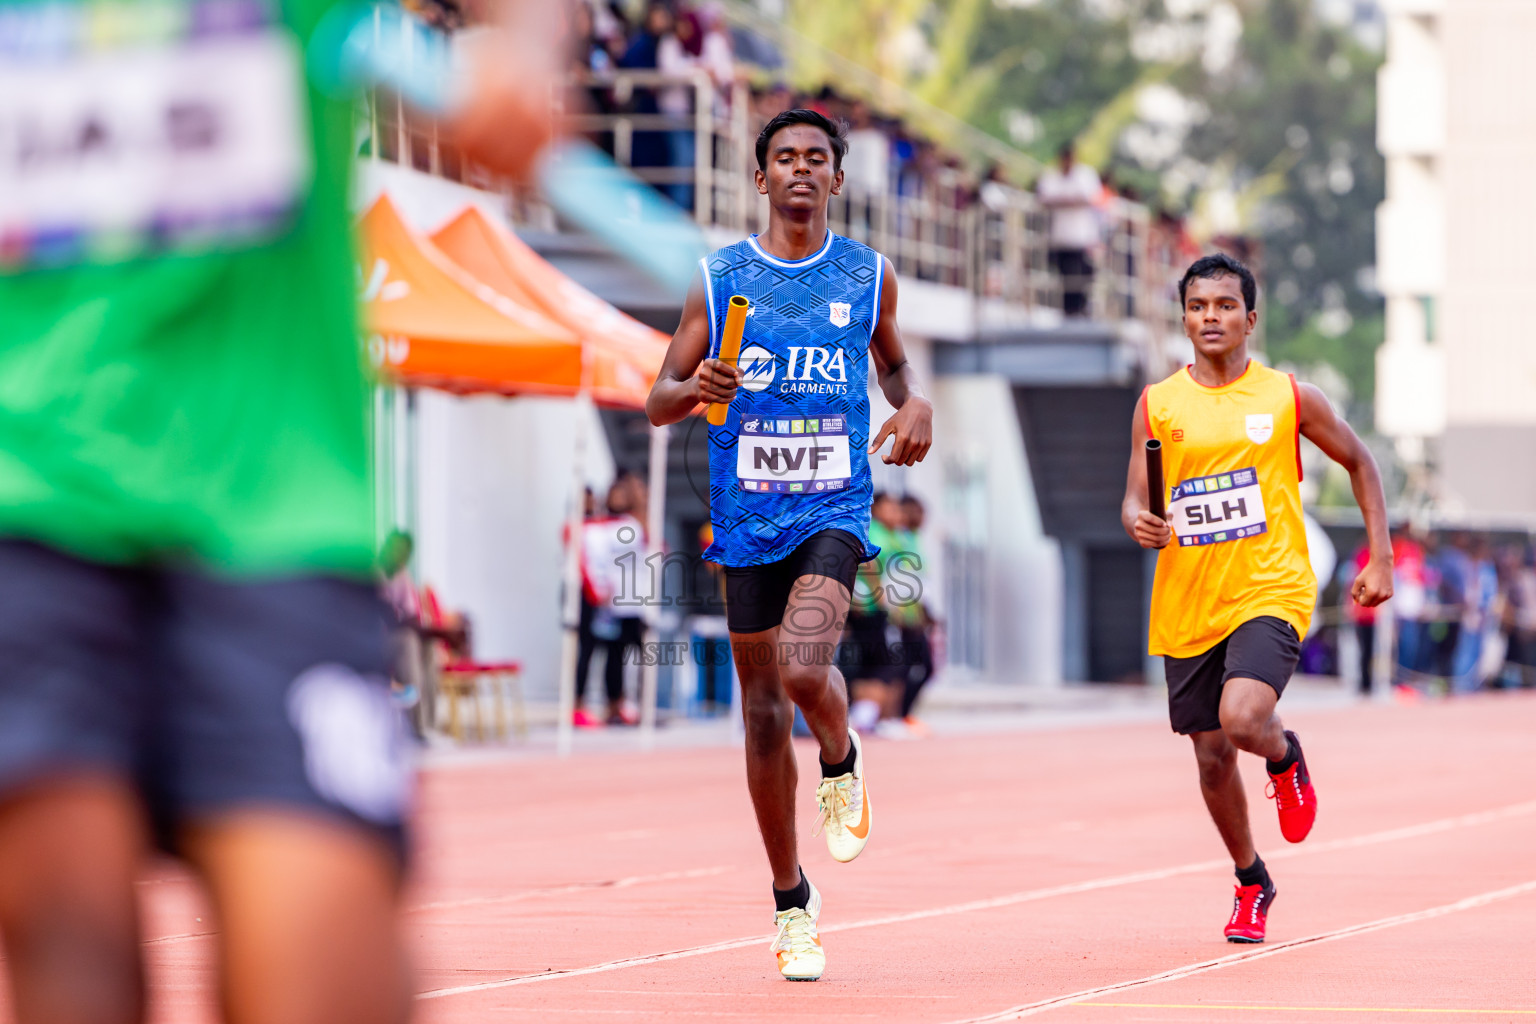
793, 455
1217, 508
128, 129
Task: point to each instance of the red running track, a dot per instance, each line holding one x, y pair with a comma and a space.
1069, 875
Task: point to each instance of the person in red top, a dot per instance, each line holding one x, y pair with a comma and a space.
1364, 618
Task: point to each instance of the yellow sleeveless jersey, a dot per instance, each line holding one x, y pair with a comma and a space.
1232, 466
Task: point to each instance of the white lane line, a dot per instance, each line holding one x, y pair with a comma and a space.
1471, 902
515, 897
1012, 899
562, 890
611, 965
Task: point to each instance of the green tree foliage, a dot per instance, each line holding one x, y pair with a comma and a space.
1295, 114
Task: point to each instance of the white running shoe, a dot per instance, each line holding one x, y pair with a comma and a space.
797, 945
844, 805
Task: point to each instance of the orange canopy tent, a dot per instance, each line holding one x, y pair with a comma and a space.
435, 325
624, 355
490, 315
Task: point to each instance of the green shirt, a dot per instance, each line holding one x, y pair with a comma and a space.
192, 392
869, 592
905, 582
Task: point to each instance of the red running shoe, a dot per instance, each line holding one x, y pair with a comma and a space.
1250, 912
1294, 796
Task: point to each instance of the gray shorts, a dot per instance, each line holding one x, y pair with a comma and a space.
209, 695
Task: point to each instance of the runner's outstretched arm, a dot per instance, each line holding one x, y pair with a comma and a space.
1144, 527
687, 378
912, 425
1323, 427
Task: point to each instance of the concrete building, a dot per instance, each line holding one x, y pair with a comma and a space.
1456, 378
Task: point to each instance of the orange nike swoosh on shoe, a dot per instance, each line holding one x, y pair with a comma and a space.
862, 831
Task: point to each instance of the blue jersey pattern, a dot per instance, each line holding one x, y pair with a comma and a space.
791, 458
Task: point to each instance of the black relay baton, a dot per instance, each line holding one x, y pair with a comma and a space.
1156, 495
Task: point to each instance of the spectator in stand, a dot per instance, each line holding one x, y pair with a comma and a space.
1121, 262
613, 28
717, 55
1070, 191
648, 148
591, 53
773, 101
866, 170
827, 103
678, 55
995, 189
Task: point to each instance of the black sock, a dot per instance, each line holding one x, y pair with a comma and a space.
788, 899
1292, 752
843, 767
1254, 874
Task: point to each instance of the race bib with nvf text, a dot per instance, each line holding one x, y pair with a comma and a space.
1217, 508
793, 455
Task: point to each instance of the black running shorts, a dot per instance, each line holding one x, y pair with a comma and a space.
209, 695
1265, 648
756, 595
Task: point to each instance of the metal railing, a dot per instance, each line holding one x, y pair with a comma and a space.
992, 242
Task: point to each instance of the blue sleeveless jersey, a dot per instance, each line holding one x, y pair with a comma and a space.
791, 458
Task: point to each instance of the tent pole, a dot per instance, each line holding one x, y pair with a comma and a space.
571, 612
655, 524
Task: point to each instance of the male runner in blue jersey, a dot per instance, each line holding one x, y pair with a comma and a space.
790, 486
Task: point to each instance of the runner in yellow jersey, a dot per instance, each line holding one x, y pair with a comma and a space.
1234, 589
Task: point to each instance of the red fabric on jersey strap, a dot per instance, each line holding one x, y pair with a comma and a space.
1296, 394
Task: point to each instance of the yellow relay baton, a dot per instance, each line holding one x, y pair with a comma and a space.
730, 346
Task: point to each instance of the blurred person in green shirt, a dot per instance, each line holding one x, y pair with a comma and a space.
866, 653
911, 611
195, 652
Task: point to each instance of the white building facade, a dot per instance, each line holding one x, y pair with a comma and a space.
1456, 377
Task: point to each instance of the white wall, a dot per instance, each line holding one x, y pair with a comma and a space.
976, 422
493, 478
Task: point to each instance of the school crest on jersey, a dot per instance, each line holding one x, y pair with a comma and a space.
1260, 427
841, 313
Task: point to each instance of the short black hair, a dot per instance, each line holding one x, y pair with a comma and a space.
1220, 265
800, 115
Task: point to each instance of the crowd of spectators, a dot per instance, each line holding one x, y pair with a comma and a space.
887, 157
1464, 613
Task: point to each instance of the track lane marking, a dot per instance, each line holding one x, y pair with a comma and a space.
1012, 899
1307, 1009
563, 890
515, 897
1205, 966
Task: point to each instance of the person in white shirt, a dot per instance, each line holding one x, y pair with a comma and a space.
1070, 191
613, 549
